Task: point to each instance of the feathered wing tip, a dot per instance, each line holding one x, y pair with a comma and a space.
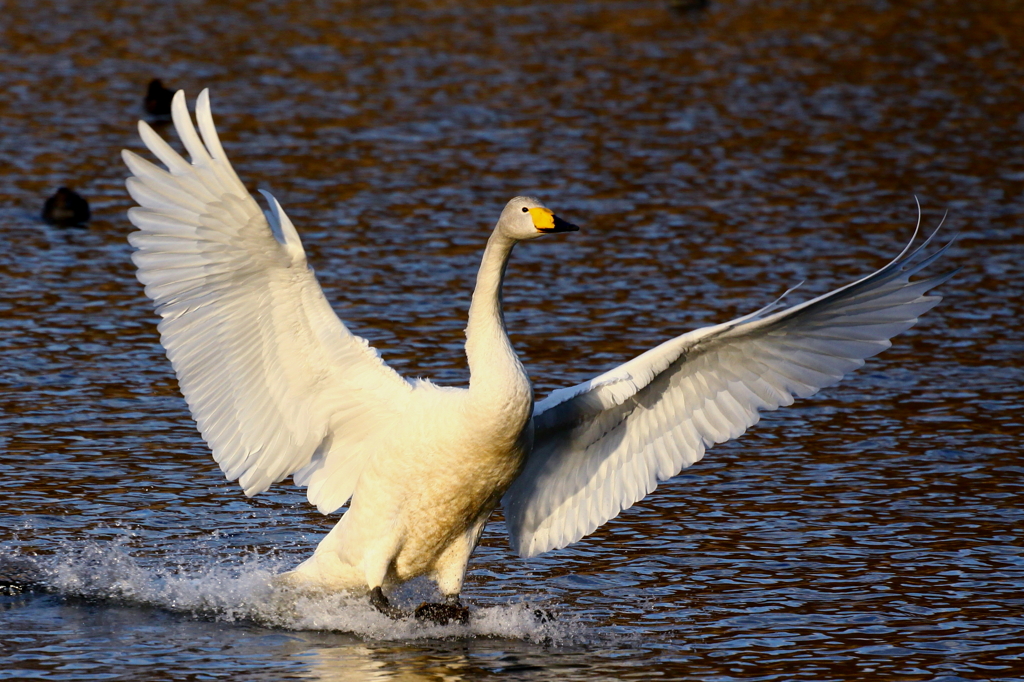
909, 265
899, 270
917, 231
898, 264
913, 237
208, 156
204, 117
902, 267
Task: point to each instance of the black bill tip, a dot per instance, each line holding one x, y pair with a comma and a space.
562, 226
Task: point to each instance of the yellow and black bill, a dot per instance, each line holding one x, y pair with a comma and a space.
546, 221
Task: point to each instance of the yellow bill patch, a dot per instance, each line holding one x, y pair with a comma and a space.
543, 218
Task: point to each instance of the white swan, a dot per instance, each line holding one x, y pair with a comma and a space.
279, 387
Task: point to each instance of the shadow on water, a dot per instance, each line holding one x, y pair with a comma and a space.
712, 159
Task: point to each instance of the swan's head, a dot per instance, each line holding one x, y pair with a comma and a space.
527, 218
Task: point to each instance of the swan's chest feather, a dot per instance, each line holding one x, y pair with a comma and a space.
463, 456
484, 447
440, 478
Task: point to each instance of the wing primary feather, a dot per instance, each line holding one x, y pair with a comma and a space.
163, 151
204, 117
186, 131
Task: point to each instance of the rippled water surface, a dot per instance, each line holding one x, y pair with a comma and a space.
713, 158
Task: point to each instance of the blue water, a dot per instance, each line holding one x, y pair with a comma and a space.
712, 158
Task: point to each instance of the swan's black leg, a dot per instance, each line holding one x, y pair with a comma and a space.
451, 611
381, 603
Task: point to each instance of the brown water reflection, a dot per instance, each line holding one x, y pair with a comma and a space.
712, 158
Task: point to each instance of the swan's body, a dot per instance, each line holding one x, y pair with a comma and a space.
279, 386
439, 470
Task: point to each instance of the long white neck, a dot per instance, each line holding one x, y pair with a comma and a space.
495, 373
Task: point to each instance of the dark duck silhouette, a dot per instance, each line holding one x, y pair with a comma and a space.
683, 6
66, 208
158, 99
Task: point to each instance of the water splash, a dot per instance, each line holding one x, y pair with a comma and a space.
248, 593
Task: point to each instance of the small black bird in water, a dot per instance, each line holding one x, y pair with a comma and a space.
158, 99
688, 5
66, 208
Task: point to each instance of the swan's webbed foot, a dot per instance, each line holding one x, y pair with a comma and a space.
381, 603
544, 616
451, 611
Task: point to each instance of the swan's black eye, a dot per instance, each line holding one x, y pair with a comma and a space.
525, 210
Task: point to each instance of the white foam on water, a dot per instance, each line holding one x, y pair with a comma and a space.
247, 592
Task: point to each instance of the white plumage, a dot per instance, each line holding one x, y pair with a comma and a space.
278, 385
605, 444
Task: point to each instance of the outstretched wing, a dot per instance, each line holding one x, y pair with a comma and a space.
274, 380
605, 444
